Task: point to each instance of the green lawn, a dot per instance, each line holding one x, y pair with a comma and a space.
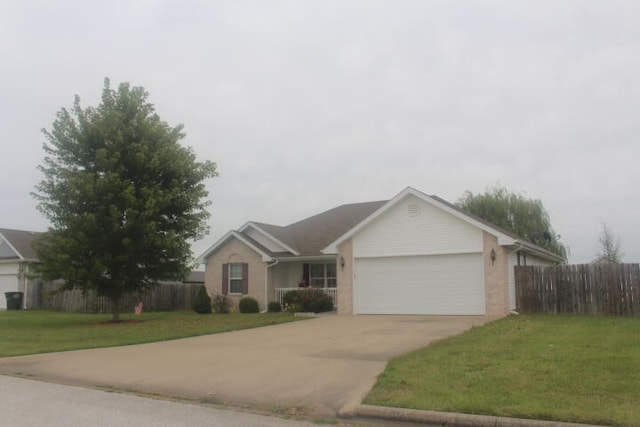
564, 368
28, 332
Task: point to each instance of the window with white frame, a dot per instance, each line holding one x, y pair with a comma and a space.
236, 281
323, 275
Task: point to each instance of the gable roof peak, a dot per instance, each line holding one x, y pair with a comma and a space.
20, 242
275, 233
433, 200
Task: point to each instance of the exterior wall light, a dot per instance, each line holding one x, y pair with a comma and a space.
492, 255
341, 262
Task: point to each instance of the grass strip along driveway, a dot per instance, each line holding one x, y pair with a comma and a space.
30, 332
563, 368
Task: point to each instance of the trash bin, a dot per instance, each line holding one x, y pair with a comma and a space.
14, 300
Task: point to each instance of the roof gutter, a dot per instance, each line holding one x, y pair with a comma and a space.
306, 258
520, 245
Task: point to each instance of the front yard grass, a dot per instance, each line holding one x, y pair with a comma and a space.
29, 332
563, 368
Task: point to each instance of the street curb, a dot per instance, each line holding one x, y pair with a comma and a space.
446, 418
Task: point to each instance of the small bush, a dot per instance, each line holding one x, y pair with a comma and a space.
202, 301
274, 307
321, 304
291, 297
248, 305
307, 300
221, 304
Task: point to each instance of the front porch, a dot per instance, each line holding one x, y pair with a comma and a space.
291, 275
332, 292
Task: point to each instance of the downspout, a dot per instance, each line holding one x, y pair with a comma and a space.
519, 248
266, 284
26, 285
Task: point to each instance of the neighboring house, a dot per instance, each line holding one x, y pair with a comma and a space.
413, 254
16, 261
195, 278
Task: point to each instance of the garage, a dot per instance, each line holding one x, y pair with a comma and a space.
432, 284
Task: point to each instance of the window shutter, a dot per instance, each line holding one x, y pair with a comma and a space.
305, 274
245, 278
225, 279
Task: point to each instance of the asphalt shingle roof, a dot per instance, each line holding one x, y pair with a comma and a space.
310, 235
21, 241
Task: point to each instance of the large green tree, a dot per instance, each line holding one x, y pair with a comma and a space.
515, 213
123, 196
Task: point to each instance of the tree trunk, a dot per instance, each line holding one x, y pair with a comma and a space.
115, 310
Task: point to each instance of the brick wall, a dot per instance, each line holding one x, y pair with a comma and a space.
234, 251
495, 278
345, 278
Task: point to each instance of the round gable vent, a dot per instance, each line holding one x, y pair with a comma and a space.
414, 210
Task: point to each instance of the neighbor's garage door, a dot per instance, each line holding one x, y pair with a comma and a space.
440, 284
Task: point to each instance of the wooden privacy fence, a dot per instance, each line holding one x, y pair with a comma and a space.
591, 289
164, 297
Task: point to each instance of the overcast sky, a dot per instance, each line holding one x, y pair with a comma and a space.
306, 105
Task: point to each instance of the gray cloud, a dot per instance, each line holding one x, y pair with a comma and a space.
309, 104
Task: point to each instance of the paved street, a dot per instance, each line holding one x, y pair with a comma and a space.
28, 403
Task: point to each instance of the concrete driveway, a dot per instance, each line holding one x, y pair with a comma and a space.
317, 366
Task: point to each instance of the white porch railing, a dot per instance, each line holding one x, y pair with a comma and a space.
332, 292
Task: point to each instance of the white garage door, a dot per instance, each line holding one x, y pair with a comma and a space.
437, 284
8, 283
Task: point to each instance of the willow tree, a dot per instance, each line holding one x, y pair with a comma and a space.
514, 212
123, 196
